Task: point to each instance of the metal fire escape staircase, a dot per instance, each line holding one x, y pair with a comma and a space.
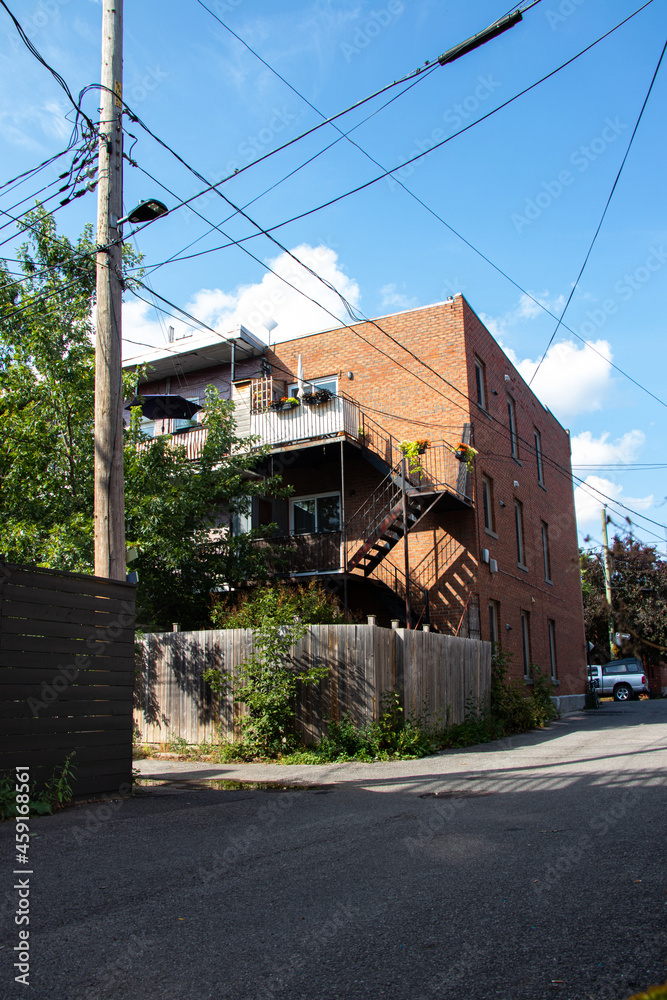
402, 499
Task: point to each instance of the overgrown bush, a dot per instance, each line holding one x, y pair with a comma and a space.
282, 603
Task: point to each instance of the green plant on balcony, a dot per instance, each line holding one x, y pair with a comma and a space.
465, 453
413, 450
285, 403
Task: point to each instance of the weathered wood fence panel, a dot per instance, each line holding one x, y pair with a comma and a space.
436, 675
67, 665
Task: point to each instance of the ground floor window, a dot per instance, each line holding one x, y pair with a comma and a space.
525, 638
315, 514
494, 617
552, 648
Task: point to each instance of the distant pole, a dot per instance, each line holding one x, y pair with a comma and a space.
109, 486
607, 580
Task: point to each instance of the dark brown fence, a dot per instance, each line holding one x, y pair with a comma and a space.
66, 676
435, 674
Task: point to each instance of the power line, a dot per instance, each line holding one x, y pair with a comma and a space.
602, 217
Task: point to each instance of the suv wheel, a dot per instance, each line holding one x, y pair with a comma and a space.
623, 692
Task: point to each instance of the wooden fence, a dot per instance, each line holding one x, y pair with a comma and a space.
435, 674
66, 676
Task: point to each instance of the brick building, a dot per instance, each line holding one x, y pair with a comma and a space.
489, 553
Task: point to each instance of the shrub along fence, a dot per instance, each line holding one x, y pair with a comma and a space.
66, 676
436, 676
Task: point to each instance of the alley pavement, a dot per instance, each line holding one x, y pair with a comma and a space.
529, 868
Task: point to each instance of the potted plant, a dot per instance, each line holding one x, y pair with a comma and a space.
465, 453
413, 449
317, 397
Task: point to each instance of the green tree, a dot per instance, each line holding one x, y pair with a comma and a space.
639, 597
176, 509
310, 603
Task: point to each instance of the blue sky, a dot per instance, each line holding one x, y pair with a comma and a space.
526, 187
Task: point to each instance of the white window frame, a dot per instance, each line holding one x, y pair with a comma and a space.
313, 384
314, 496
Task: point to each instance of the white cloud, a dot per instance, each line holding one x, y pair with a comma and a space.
589, 451
590, 497
393, 299
528, 307
572, 378
253, 305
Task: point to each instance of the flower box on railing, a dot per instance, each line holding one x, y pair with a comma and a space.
286, 403
317, 398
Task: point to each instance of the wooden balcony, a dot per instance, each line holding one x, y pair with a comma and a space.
304, 554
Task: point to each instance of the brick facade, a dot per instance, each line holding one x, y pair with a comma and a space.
527, 466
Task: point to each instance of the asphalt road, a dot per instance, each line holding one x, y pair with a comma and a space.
526, 869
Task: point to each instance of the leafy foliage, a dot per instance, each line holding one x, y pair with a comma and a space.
639, 598
175, 508
56, 793
268, 681
281, 602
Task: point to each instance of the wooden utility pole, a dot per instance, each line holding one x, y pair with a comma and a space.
109, 485
607, 580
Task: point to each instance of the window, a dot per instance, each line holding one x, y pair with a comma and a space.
518, 520
538, 457
525, 639
552, 648
511, 413
545, 552
315, 514
312, 385
479, 383
182, 423
487, 502
494, 617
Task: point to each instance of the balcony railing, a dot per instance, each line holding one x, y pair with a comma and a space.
307, 553
339, 415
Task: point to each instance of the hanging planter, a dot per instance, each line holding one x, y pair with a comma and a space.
317, 398
465, 453
413, 449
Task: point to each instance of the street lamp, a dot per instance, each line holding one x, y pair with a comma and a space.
146, 211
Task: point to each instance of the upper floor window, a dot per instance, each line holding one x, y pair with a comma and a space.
315, 514
518, 520
182, 423
313, 384
487, 502
479, 383
511, 413
545, 552
538, 457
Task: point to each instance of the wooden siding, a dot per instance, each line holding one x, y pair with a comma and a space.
435, 674
66, 676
